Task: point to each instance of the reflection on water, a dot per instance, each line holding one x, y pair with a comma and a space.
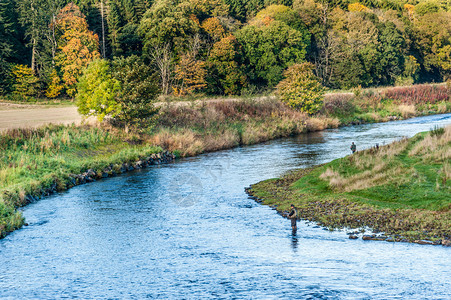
294, 240
188, 230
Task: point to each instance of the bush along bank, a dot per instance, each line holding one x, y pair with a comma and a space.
399, 192
39, 162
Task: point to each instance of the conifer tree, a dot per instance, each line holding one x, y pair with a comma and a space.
8, 33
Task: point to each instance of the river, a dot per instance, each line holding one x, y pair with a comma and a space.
187, 230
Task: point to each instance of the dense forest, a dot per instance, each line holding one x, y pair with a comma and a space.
217, 47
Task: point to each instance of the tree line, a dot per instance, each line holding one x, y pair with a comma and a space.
217, 47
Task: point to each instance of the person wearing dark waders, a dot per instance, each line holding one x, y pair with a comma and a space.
353, 147
293, 215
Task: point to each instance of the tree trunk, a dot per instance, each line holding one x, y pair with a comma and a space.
163, 60
103, 28
33, 55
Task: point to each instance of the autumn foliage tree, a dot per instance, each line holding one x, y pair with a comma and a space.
190, 73
26, 84
55, 86
226, 75
78, 46
301, 89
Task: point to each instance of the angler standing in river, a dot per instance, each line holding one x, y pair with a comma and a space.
293, 215
353, 147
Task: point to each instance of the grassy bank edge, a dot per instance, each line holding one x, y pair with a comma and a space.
124, 159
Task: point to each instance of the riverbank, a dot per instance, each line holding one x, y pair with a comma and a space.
398, 192
214, 125
38, 162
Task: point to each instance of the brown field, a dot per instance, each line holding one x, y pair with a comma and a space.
21, 116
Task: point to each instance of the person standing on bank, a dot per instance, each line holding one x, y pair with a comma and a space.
353, 147
293, 216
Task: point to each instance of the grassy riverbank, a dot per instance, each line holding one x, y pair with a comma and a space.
190, 129
34, 160
401, 189
385, 104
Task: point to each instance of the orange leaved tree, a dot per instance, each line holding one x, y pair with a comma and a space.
77, 45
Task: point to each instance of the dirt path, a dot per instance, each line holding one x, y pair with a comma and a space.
20, 116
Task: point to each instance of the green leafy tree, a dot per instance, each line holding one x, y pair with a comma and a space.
317, 16
253, 7
355, 55
427, 7
391, 49
270, 47
301, 89
433, 37
364, 51
280, 13
97, 91
168, 29
138, 91
175, 22
123, 90
237, 9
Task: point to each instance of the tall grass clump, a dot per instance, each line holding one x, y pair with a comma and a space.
418, 94
209, 126
413, 165
375, 105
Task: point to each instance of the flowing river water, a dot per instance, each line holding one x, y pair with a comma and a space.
187, 230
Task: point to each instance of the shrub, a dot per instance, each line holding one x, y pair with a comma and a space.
437, 130
138, 91
97, 91
338, 104
301, 89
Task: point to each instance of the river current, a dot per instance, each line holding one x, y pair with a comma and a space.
187, 230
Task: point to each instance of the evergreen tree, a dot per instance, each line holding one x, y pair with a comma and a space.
237, 9
7, 33
36, 16
141, 6
115, 23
